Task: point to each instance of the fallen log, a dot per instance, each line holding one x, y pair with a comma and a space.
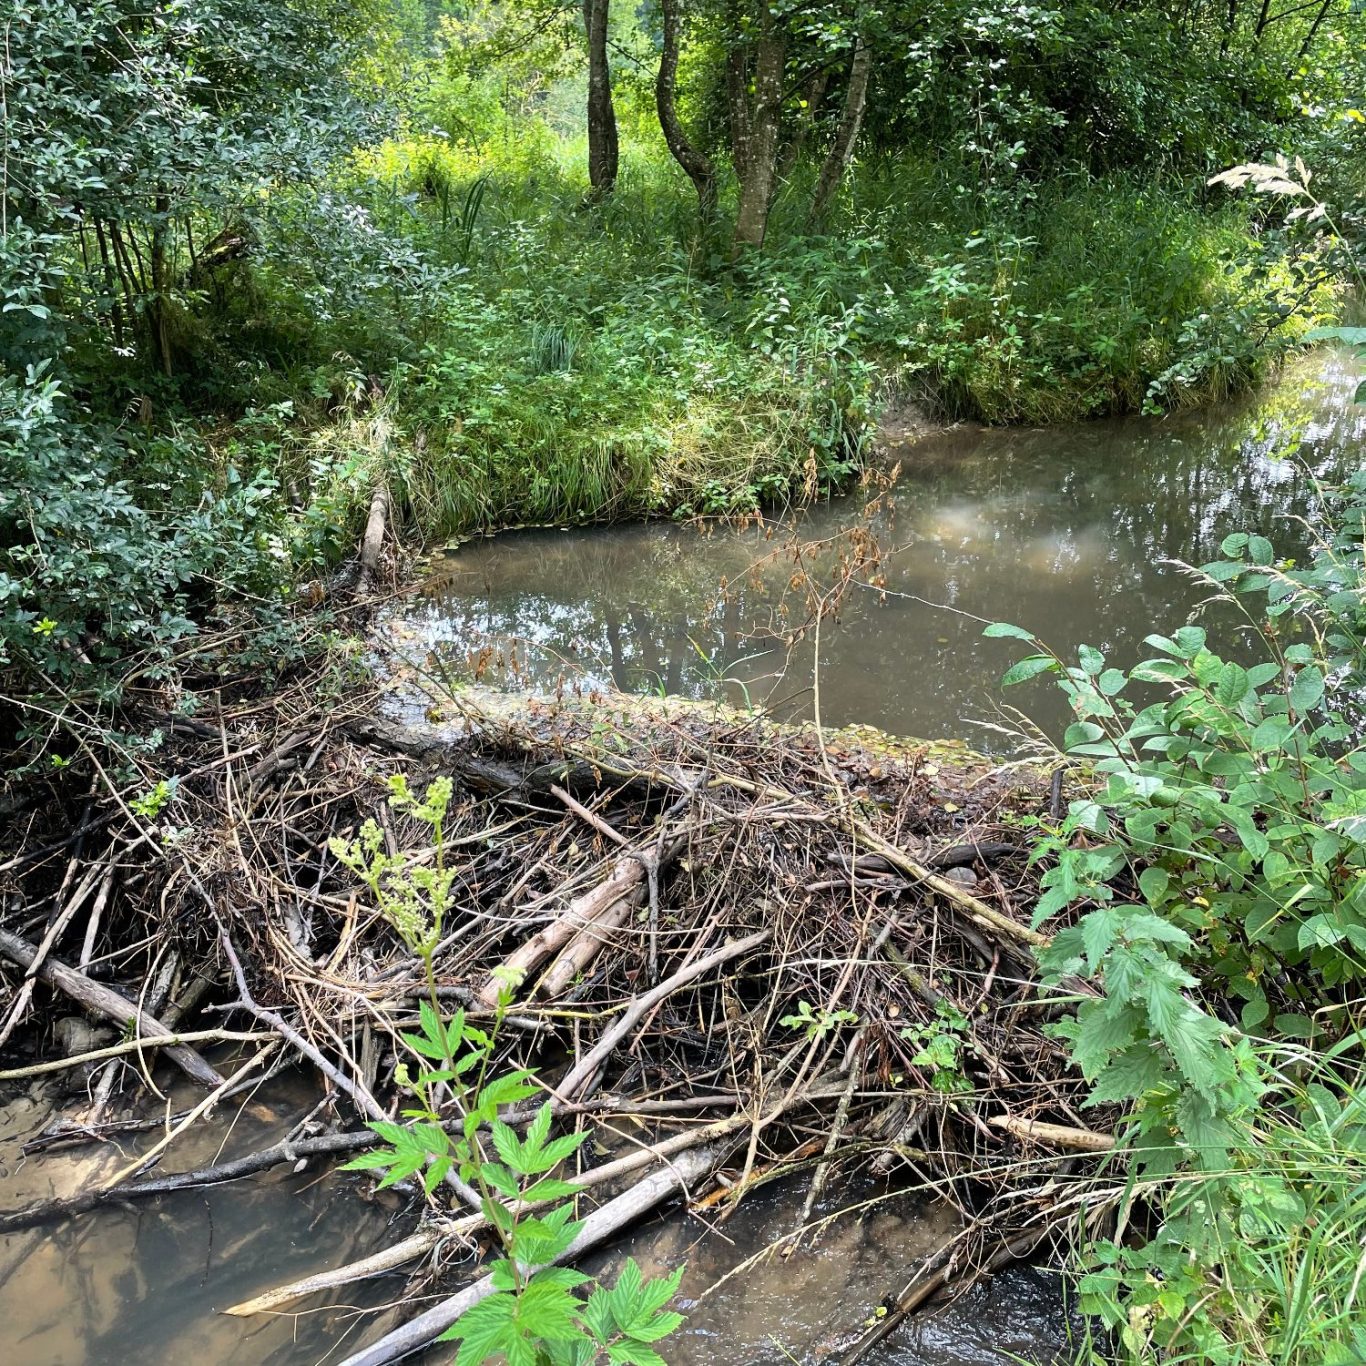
100, 1000
598, 1227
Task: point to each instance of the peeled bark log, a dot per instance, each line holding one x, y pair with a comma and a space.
585, 914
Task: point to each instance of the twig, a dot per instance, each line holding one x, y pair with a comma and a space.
581, 1075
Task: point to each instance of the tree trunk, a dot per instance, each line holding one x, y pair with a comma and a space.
737, 103
602, 117
765, 115
161, 283
796, 144
697, 165
841, 152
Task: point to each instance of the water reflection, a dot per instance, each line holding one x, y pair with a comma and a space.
1062, 530
145, 1283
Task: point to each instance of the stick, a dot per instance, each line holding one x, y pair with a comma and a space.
54, 931
587, 944
114, 1050
598, 1054
364, 1101
1058, 1135
92, 927
591, 817
601, 1225
249, 1165
102, 1001
409, 1250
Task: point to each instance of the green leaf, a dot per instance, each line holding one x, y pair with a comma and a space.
630, 1353
1029, 667
483, 1330
999, 629
546, 1309
1231, 686
548, 1188
1306, 692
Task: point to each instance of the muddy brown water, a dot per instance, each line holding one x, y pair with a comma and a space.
1063, 531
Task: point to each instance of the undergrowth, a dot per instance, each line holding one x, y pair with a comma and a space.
548, 363
1214, 884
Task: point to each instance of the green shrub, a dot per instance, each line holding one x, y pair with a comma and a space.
1215, 884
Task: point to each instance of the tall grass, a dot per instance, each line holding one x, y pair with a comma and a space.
574, 363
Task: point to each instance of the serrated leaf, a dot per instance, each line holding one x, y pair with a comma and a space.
660, 1326
546, 1309
548, 1188
483, 1330
507, 1144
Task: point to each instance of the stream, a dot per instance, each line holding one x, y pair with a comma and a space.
1065, 531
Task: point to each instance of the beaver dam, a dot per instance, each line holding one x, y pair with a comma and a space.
745, 953
782, 978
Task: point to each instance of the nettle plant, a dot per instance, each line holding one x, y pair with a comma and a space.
1214, 884
452, 1131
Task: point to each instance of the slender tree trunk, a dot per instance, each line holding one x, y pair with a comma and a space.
697, 165
841, 151
796, 144
1230, 27
602, 117
765, 115
161, 282
1308, 45
737, 102
111, 284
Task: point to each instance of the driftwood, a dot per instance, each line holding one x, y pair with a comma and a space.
100, 1000
603, 1223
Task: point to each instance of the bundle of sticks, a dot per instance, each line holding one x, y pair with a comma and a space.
783, 950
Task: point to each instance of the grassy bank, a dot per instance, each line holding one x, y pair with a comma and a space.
552, 362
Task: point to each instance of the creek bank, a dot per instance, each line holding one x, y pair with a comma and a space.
675, 882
